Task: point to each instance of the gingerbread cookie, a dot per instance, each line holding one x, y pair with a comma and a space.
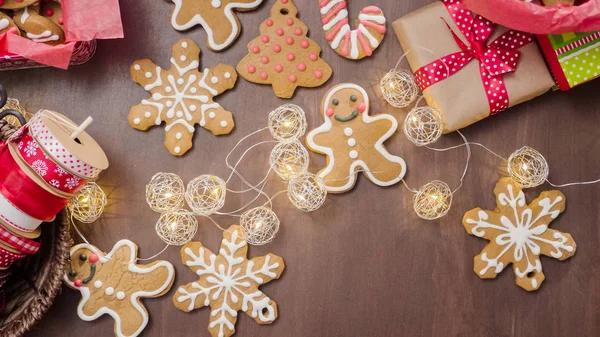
6, 23
52, 11
352, 141
283, 56
16, 4
115, 284
518, 234
228, 283
182, 96
37, 27
215, 16
352, 44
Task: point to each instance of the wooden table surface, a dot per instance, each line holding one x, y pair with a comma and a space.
364, 264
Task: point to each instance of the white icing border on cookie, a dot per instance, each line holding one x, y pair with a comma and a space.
85, 292
326, 127
4, 23
199, 20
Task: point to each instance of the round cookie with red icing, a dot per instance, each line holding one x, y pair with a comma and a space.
16, 4
353, 44
37, 27
6, 23
283, 56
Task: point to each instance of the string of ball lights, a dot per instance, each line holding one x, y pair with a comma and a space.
423, 126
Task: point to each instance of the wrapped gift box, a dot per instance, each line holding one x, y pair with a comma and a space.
573, 58
463, 93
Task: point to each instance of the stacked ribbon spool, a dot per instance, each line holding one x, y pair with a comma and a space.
42, 166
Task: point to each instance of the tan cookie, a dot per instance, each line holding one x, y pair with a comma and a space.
353, 141
38, 28
182, 96
352, 44
6, 23
558, 2
215, 16
16, 4
115, 284
52, 11
283, 56
228, 283
518, 234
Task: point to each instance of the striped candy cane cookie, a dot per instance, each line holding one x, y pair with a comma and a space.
352, 44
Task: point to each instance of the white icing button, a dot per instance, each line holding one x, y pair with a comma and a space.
348, 132
136, 121
168, 89
353, 154
179, 114
216, 3
109, 291
147, 114
170, 114
169, 104
223, 123
180, 81
98, 284
212, 115
192, 108
148, 75
183, 58
178, 135
184, 44
227, 75
193, 90
214, 79
156, 96
351, 141
177, 149
137, 67
120, 295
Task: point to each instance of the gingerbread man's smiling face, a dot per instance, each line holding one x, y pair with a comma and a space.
344, 103
83, 267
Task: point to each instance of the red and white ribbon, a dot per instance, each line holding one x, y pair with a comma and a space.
21, 244
7, 258
15, 218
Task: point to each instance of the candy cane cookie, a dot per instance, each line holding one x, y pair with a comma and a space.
357, 43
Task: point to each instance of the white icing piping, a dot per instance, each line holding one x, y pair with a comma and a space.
193, 65
380, 19
203, 84
4, 23
158, 81
205, 108
341, 15
373, 41
25, 15
43, 37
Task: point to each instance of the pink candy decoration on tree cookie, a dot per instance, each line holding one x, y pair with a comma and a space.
352, 44
293, 58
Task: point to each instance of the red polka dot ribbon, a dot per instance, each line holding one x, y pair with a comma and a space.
8, 258
496, 59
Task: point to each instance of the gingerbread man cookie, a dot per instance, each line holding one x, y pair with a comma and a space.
16, 4
352, 141
228, 283
215, 16
352, 44
38, 28
518, 234
6, 23
115, 284
182, 96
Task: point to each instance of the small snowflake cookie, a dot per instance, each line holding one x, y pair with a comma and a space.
518, 234
228, 283
182, 96
114, 284
215, 16
353, 141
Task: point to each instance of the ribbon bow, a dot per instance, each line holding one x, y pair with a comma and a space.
496, 59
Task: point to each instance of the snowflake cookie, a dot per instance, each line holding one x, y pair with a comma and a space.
114, 284
228, 283
518, 234
182, 96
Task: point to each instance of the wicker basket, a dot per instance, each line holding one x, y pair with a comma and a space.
37, 279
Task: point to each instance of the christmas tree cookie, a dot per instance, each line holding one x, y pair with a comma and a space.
283, 56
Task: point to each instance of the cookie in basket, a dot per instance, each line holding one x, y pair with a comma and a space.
37, 27
6, 23
114, 284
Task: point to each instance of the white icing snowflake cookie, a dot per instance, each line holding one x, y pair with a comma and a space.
518, 234
182, 96
228, 283
215, 16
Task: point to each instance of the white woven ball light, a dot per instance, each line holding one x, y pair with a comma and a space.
259, 225
307, 192
528, 167
206, 194
165, 192
176, 227
399, 88
287, 122
433, 200
423, 125
289, 159
87, 206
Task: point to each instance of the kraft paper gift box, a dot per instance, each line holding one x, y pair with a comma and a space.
465, 95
